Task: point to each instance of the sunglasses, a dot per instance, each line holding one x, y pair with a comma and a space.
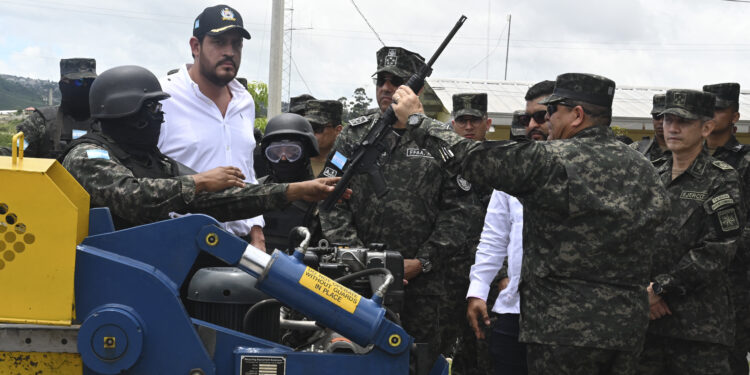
319, 128
540, 117
394, 80
552, 108
290, 151
657, 116
80, 82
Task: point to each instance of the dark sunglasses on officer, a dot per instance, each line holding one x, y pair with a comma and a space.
381, 78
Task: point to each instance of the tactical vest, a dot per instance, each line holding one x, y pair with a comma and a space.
280, 222
160, 166
155, 169
59, 129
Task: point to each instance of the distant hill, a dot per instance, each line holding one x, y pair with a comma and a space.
21, 92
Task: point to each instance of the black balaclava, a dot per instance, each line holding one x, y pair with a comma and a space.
285, 171
137, 134
75, 99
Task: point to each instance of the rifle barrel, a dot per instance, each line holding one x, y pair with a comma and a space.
447, 40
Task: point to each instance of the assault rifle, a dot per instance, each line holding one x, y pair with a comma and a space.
367, 152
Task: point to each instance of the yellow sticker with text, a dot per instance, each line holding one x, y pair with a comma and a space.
329, 289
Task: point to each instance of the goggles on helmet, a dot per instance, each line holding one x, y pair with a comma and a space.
290, 151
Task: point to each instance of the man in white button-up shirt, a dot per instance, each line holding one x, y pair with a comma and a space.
210, 117
502, 237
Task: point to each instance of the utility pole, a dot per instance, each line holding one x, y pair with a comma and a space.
49, 97
507, 50
276, 58
286, 69
487, 61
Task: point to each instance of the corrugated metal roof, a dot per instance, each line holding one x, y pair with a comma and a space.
631, 105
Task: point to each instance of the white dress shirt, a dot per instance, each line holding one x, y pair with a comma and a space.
502, 237
196, 134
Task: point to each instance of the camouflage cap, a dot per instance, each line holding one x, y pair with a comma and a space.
588, 88
324, 111
297, 103
726, 93
517, 126
658, 107
689, 104
471, 104
399, 61
77, 68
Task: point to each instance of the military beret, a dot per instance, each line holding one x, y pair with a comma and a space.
689, 104
297, 103
471, 104
399, 62
658, 104
726, 93
588, 88
77, 68
323, 111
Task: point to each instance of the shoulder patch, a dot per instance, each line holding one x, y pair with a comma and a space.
358, 121
721, 201
98, 153
722, 165
330, 172
728, 220
463, 184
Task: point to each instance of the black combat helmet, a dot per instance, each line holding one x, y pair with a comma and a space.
290, 126
120, 92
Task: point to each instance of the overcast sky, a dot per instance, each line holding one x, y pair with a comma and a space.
663, 43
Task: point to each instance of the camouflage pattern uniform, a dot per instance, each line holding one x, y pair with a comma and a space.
591, 206
423, 215
738, 156
134, 200
518, 128
697, 242
48, 130
322, 113
649, 147
458, 340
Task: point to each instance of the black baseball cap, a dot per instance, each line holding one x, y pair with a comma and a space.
217, 20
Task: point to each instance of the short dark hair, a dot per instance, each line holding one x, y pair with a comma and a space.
600, 115
200, 41
542, 88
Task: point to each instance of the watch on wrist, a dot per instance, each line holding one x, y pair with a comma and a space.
414, 119
426, 265
657, 288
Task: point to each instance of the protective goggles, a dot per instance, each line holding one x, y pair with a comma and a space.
80, 82
288, 150
394, 80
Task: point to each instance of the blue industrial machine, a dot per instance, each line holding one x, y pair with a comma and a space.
127, 297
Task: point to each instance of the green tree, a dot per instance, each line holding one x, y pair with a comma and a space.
259, 91
359, 103
345, 111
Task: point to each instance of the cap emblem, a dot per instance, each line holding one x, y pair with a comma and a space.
392, 58
679, 99
226, 15
467, 102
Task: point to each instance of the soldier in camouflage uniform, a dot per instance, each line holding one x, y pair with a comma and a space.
656, 147
469, 121
48, 130
122, 169
424, 215
591, 206
692, 316
325, 118
287, 147
724, 146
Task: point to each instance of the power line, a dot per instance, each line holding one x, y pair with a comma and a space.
300, 76
499, 39
368, 23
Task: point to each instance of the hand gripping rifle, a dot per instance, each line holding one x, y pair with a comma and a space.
367, 152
